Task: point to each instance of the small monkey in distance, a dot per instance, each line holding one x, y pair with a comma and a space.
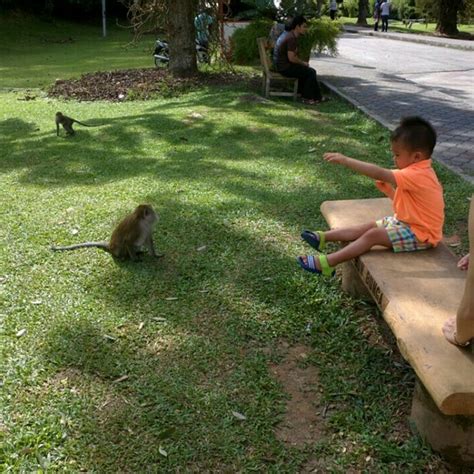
130, 234
66, 122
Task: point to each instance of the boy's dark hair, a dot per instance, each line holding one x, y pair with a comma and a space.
297, 21
416, 134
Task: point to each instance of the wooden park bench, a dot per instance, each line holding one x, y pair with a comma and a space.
417, 292
270, 77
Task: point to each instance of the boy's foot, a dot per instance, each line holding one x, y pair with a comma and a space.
315, 239
449, 331
315, 101
318, 265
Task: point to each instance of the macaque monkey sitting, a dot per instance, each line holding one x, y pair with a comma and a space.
133, 232
66, 122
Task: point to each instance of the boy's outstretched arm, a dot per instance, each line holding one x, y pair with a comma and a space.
361, 167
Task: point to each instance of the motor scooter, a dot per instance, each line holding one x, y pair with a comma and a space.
161, 53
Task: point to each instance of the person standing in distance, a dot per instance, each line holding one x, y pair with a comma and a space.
384, 13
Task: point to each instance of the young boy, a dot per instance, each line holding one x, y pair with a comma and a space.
417, 198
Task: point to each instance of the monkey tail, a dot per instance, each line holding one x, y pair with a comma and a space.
80, 123
100, 245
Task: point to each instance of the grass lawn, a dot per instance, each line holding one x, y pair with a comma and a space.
35, 54
152, 366
416, 28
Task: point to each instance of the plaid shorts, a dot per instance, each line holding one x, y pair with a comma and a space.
402, 237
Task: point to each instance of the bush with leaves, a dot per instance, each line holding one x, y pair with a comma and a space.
321, 35
244, 41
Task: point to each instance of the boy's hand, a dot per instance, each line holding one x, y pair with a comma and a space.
335, 157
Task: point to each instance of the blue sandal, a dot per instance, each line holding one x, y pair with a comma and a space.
310, 265
315, 239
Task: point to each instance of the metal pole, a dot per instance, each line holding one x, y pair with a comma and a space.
104, 23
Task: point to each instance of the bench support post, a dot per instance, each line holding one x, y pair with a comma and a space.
352, 282
451, 436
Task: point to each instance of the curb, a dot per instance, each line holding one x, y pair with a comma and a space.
412, 38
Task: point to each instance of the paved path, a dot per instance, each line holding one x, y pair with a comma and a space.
388, 79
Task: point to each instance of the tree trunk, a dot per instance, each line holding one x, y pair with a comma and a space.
363, 12
181, 35
448, 17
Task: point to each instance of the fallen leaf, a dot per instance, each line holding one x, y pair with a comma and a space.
110, 338
159, 319
74, 231
200, 249
163, 452
239, 416
21, 332
121, 379
196, 115
36, 302
171, 298
140, 326
452, 239
312, 150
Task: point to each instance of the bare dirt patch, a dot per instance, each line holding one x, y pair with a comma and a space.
140, 84
304, 420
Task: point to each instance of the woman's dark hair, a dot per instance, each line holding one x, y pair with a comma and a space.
297, 21
416, 134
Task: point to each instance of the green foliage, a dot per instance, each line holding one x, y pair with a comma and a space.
350, 8
258, 9
244, 41
321, 36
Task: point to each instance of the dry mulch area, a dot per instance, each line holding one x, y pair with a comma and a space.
140, 84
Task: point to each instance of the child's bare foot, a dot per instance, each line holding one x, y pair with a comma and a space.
449, 331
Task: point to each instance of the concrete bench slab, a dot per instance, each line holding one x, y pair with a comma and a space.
416, 293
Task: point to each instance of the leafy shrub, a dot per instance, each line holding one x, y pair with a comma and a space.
244, 41
350, 8
321, 35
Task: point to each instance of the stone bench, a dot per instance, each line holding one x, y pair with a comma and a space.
417, 292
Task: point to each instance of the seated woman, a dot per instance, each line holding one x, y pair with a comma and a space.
287, 63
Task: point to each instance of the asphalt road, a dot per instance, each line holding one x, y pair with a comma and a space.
389, 79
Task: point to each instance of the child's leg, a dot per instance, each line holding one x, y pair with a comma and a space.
373, 235
348, 234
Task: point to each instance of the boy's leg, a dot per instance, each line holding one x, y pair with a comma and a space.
348, 234
372, 236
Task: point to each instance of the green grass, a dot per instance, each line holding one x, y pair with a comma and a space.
191, 331
417, 28
35, 55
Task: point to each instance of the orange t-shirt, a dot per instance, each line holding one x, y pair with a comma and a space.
418, 201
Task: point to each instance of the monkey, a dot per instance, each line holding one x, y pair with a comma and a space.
130, 234
66, 122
